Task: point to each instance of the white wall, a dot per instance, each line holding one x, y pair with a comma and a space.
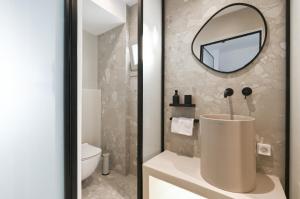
91, 117
90, 66
91, 95
152, 78
295, 101
100, 16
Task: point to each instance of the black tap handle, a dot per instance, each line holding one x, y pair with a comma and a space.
228, 92
246, 91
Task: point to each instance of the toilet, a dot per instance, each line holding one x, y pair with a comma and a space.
90, 158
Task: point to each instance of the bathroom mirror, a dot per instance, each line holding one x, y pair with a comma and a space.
231, 39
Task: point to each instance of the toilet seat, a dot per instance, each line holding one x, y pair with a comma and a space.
88, 151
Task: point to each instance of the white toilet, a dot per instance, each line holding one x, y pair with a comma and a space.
90, 157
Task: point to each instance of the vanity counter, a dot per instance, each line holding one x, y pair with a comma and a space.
184, 172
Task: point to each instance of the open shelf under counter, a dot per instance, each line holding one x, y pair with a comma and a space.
169, 173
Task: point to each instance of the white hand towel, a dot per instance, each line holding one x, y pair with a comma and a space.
183, 126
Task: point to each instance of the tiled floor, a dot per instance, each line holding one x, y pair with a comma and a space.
113, 186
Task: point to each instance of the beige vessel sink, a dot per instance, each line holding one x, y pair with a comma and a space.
228, 158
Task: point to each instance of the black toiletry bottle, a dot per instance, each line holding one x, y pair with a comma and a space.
187, 99
176, 97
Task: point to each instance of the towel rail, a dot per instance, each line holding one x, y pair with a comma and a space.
195, 120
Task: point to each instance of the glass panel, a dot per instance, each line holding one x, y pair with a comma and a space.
31, 103
152, 78
109, 106
295, 102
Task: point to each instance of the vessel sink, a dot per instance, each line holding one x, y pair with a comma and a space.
228, 159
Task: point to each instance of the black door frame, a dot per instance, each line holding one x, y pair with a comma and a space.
140, 93
287, 101
70, 99
140, 103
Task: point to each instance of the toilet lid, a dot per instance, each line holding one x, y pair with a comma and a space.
88, 151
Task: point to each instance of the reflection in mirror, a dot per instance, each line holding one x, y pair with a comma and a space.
134, 57
231, 39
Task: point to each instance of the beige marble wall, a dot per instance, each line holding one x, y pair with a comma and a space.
266, 75
119, 94
132, 13
112, 81
132, 124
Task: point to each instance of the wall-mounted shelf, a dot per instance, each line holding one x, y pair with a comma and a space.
195, 120
183, 105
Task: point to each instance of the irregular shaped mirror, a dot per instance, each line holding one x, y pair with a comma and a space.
231, 39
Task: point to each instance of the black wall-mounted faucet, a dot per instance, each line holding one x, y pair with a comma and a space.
246, 91
228, 92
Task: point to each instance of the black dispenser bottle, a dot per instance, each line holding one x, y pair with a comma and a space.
176, 97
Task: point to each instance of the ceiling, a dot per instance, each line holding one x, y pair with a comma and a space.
99, 18
131, 2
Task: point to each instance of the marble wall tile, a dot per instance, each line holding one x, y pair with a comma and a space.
119, 94
132, 17
132, 124
266, 76
112, 81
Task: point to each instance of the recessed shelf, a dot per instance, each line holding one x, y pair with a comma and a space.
183, 105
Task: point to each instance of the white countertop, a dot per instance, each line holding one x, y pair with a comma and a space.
186, 171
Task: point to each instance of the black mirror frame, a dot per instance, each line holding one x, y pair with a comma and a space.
230, 5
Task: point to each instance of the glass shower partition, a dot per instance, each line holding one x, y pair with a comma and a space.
32, 98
